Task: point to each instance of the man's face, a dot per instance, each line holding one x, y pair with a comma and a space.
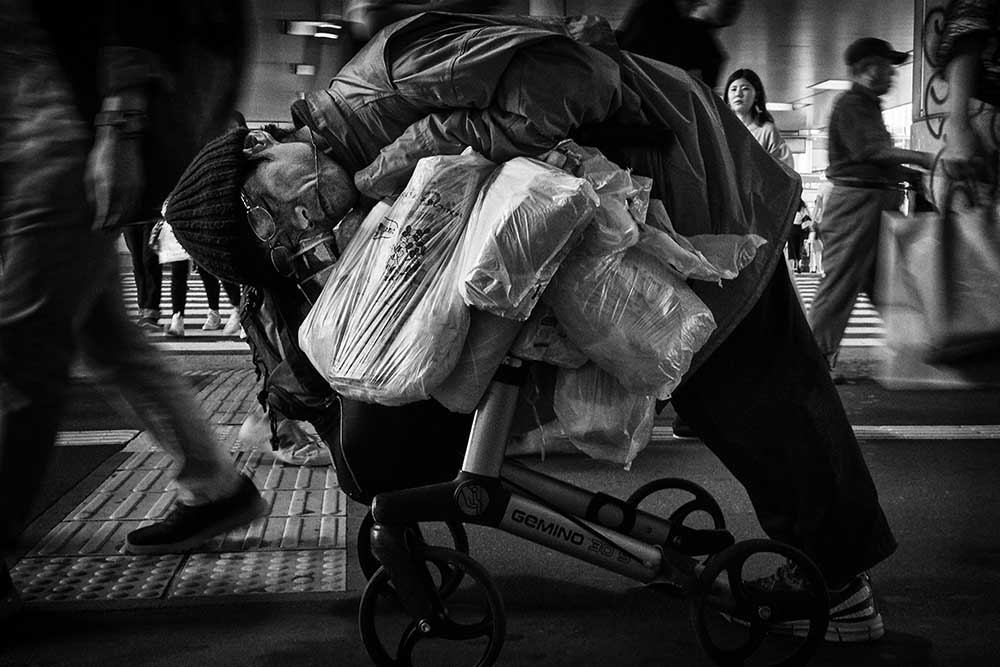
300, 189
880, 73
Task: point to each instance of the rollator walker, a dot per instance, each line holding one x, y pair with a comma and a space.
438, 604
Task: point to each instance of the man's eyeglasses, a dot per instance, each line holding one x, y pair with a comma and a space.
265, 228
261, 221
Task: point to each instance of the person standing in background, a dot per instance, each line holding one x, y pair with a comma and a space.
866, 171
91, 94
213, 289
744, 93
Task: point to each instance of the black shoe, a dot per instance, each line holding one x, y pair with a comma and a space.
10, 600
188, 526
682, 429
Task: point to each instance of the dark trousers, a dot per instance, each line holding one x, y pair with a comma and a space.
145, 266
764, 403
213, 286
795, 239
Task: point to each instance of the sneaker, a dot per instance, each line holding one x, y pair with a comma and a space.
188, 526
176, 326
854, 614
10, 599
303, 451
294, 446
232, 324
212, 322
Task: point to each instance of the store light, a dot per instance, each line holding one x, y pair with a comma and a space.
780, 106
832, 84
302, 69
323, 29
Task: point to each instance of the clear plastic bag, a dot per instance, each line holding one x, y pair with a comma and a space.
600, 417
544, 339
632, 315
525, 222
389, 324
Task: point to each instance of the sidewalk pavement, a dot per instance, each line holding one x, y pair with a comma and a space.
286, 590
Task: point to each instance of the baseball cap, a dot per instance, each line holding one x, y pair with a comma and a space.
872, 46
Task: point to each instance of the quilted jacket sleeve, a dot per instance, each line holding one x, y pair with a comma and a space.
548, 89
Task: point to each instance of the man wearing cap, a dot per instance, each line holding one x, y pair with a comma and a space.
867, 174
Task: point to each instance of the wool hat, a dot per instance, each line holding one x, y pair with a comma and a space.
209, 219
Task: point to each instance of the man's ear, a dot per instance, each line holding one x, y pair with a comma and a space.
256, 142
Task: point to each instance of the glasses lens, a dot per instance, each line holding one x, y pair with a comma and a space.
261, 223
281, 258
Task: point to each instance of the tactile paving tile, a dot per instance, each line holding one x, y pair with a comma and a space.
75, 578
261, 572
300, 546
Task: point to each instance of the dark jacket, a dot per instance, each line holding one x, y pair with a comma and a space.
188, 54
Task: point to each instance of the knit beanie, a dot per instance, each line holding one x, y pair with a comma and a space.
209, 219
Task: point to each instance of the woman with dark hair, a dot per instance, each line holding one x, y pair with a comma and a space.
744, 93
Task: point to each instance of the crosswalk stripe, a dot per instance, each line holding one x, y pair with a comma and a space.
896, 432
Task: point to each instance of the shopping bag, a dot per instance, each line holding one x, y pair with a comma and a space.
389, 325
949, 262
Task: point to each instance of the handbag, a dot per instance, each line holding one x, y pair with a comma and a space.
165, 244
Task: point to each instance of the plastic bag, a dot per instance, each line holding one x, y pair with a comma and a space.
711, 257
525, 221
389, 324
632, 315
487, 343
601, 417
544, 339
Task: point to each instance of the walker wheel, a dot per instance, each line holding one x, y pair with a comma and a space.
468, 630
740, 618
702, 501
369, 563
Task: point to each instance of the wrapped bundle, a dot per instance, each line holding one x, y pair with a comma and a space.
389, 324
710, 257
487, 343
525, 222
630, 314
600, 417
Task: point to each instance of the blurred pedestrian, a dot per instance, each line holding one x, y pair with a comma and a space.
91, 94
147, 273
968, 51
366, 17
866, 170
680, 32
